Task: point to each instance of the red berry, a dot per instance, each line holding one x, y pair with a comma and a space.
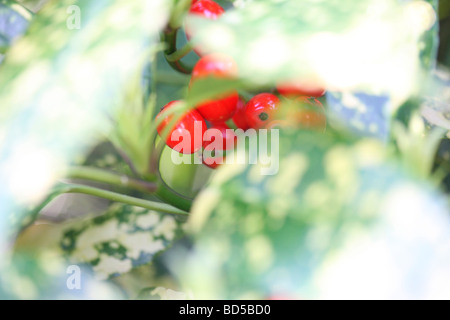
214, 163
313, 117
215, 64
219, 66
185, 128
239, 116
295, 89
228, 136
260, 110
206, 8
227, 142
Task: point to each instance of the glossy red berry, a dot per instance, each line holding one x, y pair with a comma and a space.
295, 89
227, 142
206, 8
239, 116
215, 64
312, 115
191, 126
260, 110
219, 66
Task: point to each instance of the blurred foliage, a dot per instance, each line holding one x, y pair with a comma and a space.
258, 235
444, 49
122, 238
444, 9
105, 156
430, 39
14, 20
342, 214
362, 113
60, 93
45, 276
274, 40
160, 293
310, 39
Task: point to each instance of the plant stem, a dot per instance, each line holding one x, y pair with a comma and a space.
168, 195
180, 53
178, 12
170, 38
104, 176
113, 196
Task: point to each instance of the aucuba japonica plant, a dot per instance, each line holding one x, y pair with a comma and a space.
234, 149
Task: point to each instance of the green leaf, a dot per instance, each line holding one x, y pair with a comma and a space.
122, 238
258, 235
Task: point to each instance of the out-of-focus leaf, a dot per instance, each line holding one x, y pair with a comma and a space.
160, 293
435, 107
121, 239
429, 43
14, 20
104, 155
47, 276
274, 40
417, 146
364, 114
33, 5
170, 84
59, 83
444, 9
18, 220
286, 234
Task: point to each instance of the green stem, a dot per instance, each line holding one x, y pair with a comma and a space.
170, 38
104, 176
166, 194
178, 12
117, 197
180, 53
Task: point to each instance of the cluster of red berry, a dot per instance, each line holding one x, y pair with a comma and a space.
261, 111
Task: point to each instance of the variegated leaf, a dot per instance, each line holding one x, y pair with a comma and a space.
121, 239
